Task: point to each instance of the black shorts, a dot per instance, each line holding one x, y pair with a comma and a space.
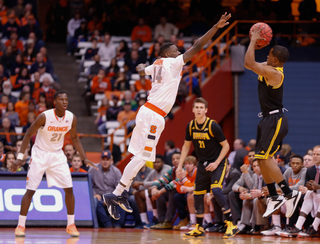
206, 180
271, 132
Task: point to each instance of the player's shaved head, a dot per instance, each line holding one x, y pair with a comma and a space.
165, 48
281, 53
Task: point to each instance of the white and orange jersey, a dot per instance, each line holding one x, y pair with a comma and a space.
166, 76
50, 137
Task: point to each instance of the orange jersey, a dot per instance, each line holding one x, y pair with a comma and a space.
80, 170
144, 33
147, 86
22, 108
100, 86
187, 181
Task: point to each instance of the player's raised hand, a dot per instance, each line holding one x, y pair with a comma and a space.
140, 68
88, 162
223, 20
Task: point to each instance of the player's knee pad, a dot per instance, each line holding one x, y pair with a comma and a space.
199, 204
220, 198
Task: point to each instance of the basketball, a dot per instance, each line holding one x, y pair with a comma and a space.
265, 32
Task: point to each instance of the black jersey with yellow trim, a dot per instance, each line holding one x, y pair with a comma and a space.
270, 97
206, 139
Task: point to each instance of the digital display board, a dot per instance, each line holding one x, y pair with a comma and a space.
48, 205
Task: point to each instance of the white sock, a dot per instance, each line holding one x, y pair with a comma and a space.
207, 217
129, 173
22, 220
70, 219
276, 220
155, 213
300, 222
316, 223
193, 218
144, 218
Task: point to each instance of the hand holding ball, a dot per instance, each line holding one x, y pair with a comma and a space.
265, 33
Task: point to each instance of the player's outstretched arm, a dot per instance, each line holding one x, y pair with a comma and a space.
77, 143
199, 44
40, 121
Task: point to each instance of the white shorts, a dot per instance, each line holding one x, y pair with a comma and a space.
146, 134
54, 164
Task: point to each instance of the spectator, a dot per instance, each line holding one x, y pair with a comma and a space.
8, 58
32, 26
9, 141
81, 33
3, 76
104, 180
185, 187
11, 114
133, 61
47, 60
94, 69
102, 110
127, 98
47, 89
31, 117
18, 63
143, 84
108, 50
122, 50
113, 69
6, 89
69, 151
14, 38
92, 51
126, 114
76, 164
26, 157
10, 26
137, 45
170, 149
308, 161
73, 24
237, 144
166, 29
94, 24
19, 8
3, 104
141, 31
21, 107
10, 158
22, 80
41, 106
121, 83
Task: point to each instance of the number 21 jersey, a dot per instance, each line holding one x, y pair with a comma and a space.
50, 137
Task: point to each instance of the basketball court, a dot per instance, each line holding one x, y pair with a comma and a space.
128, 236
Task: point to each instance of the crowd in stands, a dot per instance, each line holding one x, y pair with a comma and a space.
27, 79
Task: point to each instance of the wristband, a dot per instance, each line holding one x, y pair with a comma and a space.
20, 156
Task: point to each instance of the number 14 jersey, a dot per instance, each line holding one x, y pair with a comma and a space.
166, 76
50, 137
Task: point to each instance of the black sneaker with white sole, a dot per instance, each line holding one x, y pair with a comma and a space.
111, 201
123, 202
292, 201
273, 204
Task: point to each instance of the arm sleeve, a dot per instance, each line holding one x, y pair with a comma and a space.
234, 177
239, 183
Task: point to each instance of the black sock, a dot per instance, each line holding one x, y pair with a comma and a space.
284, 187
199, 221
228, 216
272, 189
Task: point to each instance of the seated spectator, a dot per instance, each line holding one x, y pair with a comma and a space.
11, 26
92, 51
8, 58
94, 69
141, 31
94, 24
46, 89
179, 43
170, 149
122, 50
47, 60
76, 164
3, 75
6, 90
163, 191
41, 106
29, 55
96, 34
10, 158
155, 53
73, 24
9, 141
69, 151
14, 38
308, 161
31, 118
18, 63
127, 98
31, 27
102, 110
81, 33
113, 69
121, 83
11, 114
4, 104
137, 45
107, 51
143, 196
166, 29
143, 84
21, 107
23, 79
35, 42
126, 114
38, 62
185, 187
104, 180
100, 83
19, 8
133, 60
